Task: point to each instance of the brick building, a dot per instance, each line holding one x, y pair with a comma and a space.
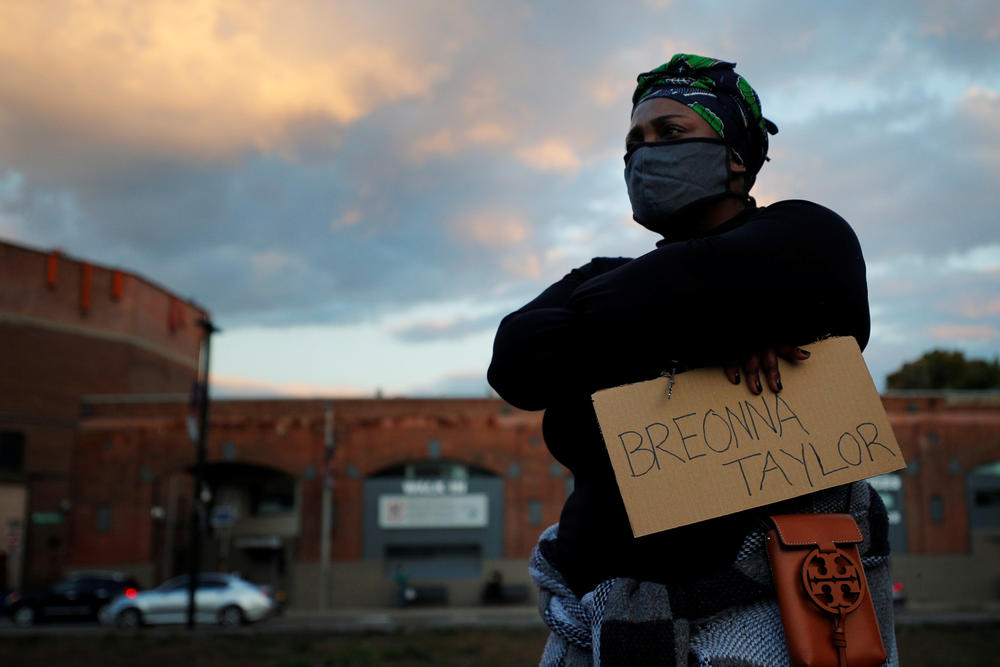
446, 490
69, 328
946, 511
944, 508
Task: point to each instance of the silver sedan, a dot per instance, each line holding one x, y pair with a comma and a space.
220, 598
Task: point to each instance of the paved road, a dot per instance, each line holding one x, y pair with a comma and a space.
337, 622
432, 618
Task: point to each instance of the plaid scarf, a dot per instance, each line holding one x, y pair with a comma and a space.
728, 620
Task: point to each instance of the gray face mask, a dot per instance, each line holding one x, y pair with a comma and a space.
664, 178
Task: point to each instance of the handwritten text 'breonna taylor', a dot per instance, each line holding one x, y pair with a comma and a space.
794, 461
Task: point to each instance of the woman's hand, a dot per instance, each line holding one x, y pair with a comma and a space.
765, 361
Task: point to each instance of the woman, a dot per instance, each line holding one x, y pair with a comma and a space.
729, 280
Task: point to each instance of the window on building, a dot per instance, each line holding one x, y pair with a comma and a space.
983, 485
937, 508
103, 518
987, 499
535, 512
272, 496
11, 451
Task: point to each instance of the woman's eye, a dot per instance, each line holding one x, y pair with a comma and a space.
671, 130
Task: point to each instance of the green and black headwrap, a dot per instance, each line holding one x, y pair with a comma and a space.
714, 90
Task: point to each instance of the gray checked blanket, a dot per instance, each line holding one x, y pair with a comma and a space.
729, 620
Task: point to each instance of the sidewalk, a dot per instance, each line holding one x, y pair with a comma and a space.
524, 617
949, 614
393, 619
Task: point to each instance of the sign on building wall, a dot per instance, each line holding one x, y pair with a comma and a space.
224, 516
454, 511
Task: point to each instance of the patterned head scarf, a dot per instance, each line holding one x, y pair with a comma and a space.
714, 90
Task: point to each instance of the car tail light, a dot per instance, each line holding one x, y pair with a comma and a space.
897, 587
130, 593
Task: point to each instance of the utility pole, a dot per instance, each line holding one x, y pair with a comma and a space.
198, 518
326, 511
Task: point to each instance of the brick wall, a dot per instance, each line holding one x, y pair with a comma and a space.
71, 328
289, 436
80, 299
942, 439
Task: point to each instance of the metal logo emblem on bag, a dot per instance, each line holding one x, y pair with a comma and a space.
833, 582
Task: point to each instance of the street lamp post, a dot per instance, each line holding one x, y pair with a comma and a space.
198, 507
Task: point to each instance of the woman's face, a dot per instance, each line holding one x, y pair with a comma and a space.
663, 119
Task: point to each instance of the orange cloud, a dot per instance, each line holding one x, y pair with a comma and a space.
228, 385
209, 77
974, 309
491, 229
526, 265
348, 219
442, 142
963, 332
981, 105
449, 142
610, 90
550, 155
489, 134
272, 263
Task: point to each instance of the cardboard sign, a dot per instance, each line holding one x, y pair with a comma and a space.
713, 448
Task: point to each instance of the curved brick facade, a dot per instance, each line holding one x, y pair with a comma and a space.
71, 328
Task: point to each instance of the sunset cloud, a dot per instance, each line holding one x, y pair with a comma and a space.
978, 309
491, 229
551, 155
228, 386
963, 332
206, 78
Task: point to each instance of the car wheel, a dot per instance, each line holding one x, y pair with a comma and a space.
24, 617
231, 617
129, 618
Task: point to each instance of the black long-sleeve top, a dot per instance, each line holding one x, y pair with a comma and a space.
791, 272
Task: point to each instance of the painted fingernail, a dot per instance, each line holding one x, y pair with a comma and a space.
736, 379
759, 388
778, 382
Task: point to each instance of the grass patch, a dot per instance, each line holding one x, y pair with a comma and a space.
927, 646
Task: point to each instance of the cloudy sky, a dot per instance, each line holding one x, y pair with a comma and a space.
359, 191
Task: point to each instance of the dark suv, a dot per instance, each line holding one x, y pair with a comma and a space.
78, 596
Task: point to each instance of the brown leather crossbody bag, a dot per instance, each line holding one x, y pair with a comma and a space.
826, 607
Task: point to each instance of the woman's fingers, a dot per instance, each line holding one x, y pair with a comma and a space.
765, 362
733, 373
791, 353
769, 366
752, 367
